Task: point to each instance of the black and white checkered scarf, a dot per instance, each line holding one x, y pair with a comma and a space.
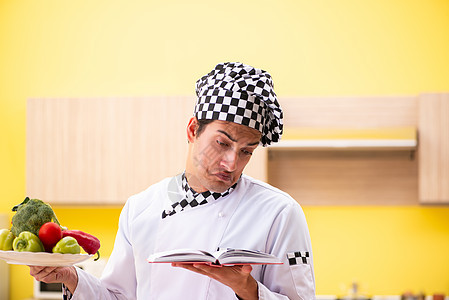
191, 198
241, 94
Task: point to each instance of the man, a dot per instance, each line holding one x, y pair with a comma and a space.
211, 205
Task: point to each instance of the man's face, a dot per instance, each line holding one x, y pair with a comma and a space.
219, 154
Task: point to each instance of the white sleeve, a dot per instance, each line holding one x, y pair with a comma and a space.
112, 285
289, 239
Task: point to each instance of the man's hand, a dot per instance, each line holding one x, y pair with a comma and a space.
238, 278
65, 275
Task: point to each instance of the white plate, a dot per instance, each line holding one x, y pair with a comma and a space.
42, 258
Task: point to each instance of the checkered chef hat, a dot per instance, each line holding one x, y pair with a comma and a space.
241, 94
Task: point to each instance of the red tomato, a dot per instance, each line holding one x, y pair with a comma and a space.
50, 233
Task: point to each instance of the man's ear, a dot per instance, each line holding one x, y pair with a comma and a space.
191, 129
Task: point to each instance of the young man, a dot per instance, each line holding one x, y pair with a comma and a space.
210, 205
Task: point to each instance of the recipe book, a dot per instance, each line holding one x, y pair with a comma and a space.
221, 257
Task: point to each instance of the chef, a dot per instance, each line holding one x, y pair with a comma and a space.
209, 205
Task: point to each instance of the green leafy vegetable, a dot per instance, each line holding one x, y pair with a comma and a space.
30, 215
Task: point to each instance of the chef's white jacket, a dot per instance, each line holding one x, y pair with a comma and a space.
254, 216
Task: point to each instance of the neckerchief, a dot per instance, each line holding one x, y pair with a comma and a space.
191, 198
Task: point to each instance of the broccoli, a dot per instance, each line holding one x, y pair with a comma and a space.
30, 215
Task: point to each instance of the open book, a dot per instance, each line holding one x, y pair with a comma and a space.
222, 257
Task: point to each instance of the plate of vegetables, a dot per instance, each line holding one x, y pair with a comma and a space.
37, 239
42, 258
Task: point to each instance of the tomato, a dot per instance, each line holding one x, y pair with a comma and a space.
50, 234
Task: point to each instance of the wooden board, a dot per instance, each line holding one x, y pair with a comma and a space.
434, 148
350, 112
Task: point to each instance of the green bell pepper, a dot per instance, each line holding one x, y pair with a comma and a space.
67, 244
27, 241
6, 239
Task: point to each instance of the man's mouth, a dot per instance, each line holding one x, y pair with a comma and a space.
224, 176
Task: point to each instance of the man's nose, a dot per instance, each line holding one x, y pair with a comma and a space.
229, 160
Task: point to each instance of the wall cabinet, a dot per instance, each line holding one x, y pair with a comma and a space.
434, 148
101, 151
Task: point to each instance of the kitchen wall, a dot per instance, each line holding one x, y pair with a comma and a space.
97, 48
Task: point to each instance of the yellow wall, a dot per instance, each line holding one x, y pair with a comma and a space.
53, 48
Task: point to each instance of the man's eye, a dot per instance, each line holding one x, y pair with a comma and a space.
221, 143
246, 152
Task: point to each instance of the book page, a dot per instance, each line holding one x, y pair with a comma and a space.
181, 255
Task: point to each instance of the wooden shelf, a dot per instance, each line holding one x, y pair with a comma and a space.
404, 138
